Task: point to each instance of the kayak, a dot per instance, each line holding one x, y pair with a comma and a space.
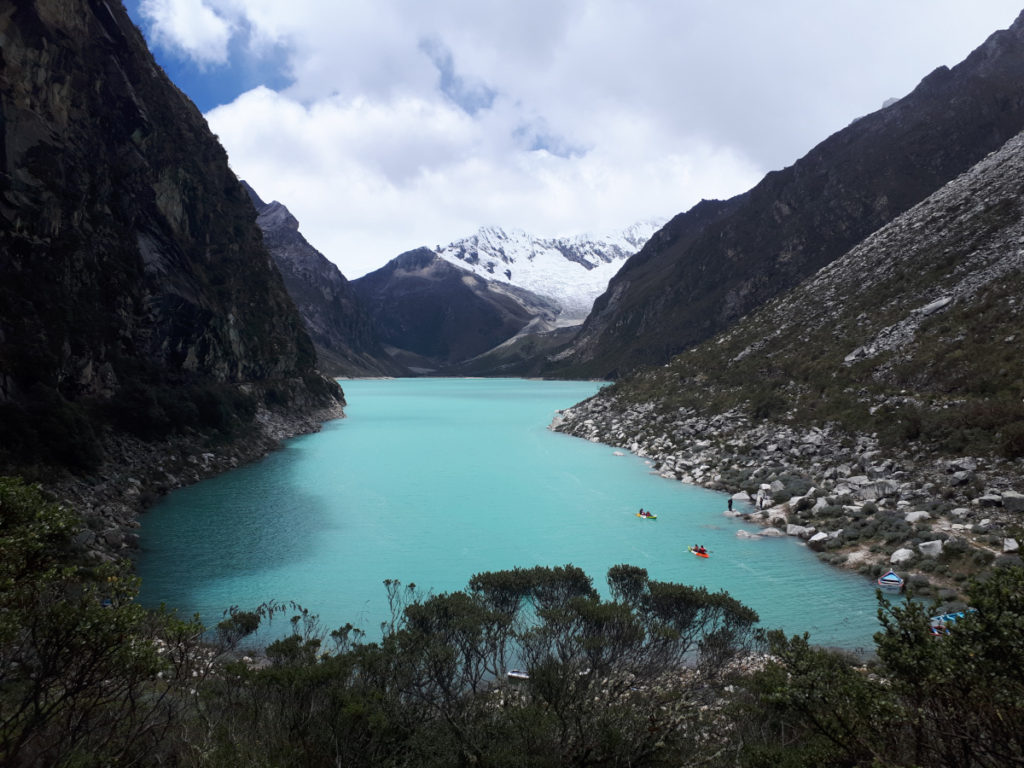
647, 517
698, 554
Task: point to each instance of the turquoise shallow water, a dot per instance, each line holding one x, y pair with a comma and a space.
429, 481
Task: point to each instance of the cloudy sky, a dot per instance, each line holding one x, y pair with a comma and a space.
385, 125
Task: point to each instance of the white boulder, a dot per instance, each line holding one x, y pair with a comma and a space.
930, 548
901, 556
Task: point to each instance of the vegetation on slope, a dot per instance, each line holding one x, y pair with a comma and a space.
913, 335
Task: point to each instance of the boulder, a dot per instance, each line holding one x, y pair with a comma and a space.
960, 513
935, 306
772, 532
989, 500
1010, 546
965, 464
1013, 501
901, 556
797, 530
930, 548
960, 478
916, 517
878, 489
818, 541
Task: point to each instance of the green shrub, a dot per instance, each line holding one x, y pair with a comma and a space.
1011, 440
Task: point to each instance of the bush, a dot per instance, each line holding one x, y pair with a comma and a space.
1008, 561
79, 657
1011, 440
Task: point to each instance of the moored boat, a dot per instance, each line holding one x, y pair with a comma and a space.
891, 582
940, 624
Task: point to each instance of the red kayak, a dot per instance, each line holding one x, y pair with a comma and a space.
698, 554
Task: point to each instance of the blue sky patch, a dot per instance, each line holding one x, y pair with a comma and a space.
469, 97
210, 85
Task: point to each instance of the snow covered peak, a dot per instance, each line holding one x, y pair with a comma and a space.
572, 271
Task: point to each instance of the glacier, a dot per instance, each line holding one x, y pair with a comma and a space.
571, 271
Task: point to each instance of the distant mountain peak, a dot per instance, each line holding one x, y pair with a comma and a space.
571, 271
275, 214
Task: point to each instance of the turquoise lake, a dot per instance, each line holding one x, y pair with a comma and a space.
429, 481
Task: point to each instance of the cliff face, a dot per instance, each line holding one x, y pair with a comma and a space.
341, 329
712, 265
136, 292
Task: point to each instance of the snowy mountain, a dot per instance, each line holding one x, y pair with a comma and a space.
571, 271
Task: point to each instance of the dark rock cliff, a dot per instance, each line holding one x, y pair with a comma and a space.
137, 297
341, 328
710, 266
434, 315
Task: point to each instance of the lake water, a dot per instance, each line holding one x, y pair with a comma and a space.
429, 481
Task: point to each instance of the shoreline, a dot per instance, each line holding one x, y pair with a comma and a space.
136, 474
937, 521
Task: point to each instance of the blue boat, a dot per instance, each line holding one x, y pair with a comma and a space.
940, 624
890, 582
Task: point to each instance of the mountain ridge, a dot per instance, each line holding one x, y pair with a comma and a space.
340, 327
433, 315
709, 266
881, 399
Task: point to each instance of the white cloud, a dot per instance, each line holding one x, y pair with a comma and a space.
189, 27
575, 116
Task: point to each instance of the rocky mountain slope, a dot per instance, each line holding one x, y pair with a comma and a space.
713, 264
142, 321
571, 271
881, 402
432, 315
340, 327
